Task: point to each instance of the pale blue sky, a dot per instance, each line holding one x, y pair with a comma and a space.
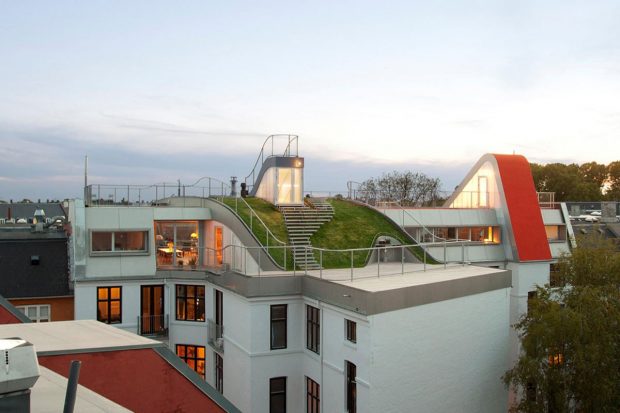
157, 91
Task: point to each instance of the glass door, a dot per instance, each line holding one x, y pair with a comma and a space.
152, 309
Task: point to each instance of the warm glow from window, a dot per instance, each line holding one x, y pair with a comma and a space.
556, 359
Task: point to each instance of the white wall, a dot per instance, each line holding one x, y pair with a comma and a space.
442, 357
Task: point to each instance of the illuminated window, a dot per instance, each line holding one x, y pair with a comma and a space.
118, 242
177, 243
313, 392
278, 326
194, 356
37, 313
109, 305
556, 359
313, 329
351, 330
190, 302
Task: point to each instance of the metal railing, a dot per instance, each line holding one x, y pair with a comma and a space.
215, 335
269, 149
153, 325
156, 194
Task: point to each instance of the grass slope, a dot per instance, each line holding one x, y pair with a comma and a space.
271, 216
353, 226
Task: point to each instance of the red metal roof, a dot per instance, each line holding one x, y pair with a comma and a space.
522, 204
140, 380
6, 317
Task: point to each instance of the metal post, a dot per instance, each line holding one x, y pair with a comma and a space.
351, 265
445, 263
284, 257
127, 194
463, 253
209, 187
306, 259
259, 251
251, 220
236, 209
424, 249
74, 375
402, 260
379, 261
156, 196
321, 262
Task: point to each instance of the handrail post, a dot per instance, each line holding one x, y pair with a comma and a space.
379, 262
463, 253
402, 260
351, 265
424, 249
306, 259
445, 262
259, 262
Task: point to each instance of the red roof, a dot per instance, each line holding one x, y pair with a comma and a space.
6, 317
523, 208
140, 380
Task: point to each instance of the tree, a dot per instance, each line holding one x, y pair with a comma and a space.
613, 181
570, 336
407, 188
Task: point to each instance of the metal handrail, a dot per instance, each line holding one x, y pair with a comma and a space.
261, 156
259, 219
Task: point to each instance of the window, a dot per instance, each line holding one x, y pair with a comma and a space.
37, 313
219, 373
177, 243
312, 396
190, 302
351, 387
350, 330
109, 305
278, 326
118, 242
277, 395
194, 356
313, 329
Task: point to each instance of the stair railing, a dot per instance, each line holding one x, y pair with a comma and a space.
267, 151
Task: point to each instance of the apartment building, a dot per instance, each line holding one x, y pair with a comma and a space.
399, 334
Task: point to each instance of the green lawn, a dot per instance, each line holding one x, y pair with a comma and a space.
354, 226
274, 220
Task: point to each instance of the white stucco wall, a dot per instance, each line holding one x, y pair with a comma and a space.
442, 357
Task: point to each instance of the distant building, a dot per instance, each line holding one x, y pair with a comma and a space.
34, 259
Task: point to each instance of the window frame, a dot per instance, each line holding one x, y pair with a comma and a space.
109, 301
351, 387
37, 307
113, 251
313, 329
350, 330
275, 322
219, 372
313, 399
199, 306
276, 393
196, 359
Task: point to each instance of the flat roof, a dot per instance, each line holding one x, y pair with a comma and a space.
75, 336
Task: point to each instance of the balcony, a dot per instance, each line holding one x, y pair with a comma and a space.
153, 325
215, 335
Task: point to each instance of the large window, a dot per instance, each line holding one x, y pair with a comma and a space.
177, 243
313, 329
109, 305
190, 302
277, 395
278, 326
118, 242
37, 313
351, 372
219, 373
194, 356
350, 330
313, 396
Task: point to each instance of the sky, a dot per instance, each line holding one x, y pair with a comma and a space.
156, 91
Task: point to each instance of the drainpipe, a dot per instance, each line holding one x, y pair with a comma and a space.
322, 353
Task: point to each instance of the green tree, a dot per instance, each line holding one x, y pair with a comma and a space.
570, 336
613, 181
569, 182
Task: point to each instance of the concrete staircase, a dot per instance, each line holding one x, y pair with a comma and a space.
303, 221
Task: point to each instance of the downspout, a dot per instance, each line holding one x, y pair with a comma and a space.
322, 352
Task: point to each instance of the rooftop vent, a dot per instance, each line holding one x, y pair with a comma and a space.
18, 360
39, 216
